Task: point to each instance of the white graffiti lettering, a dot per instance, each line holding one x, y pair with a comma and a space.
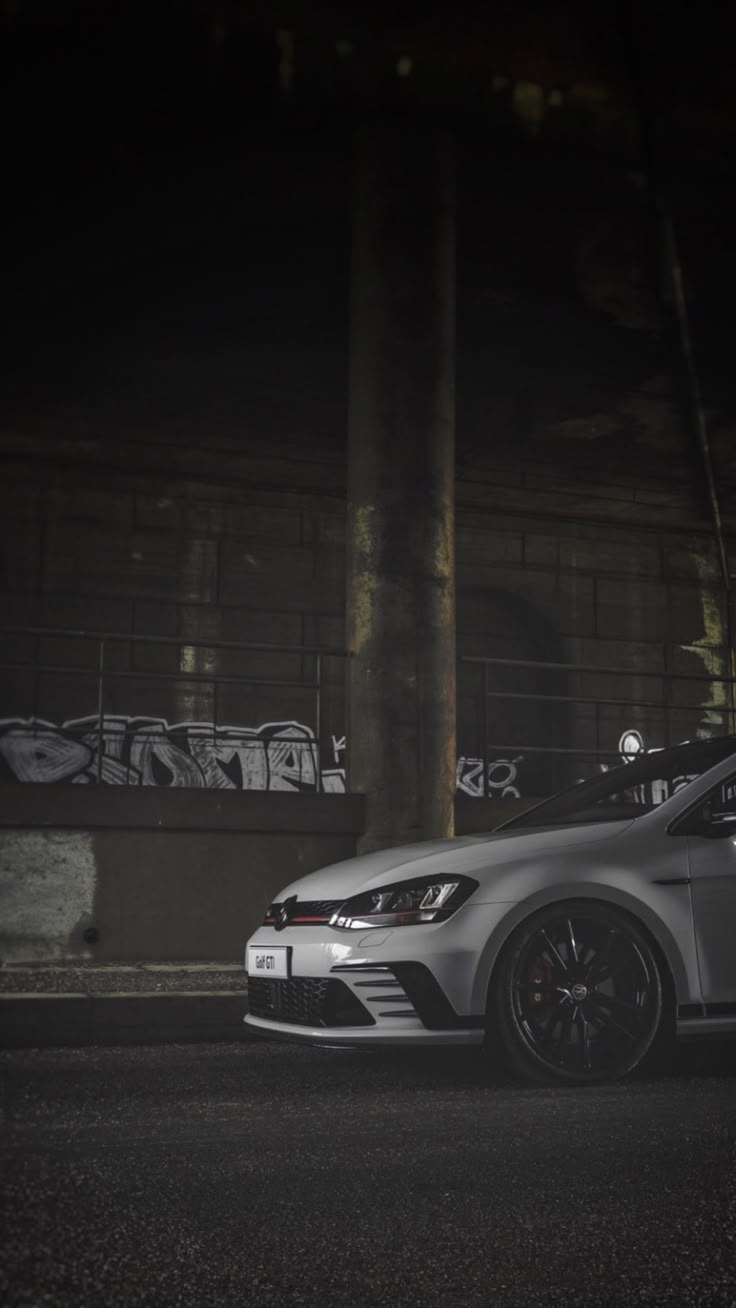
500, 779
151, 752
632, 746
139, 751
43, 754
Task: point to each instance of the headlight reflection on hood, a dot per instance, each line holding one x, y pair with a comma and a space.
408, 903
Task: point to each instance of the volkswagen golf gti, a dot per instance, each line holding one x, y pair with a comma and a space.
571, 941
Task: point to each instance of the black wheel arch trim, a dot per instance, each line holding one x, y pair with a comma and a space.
613, 897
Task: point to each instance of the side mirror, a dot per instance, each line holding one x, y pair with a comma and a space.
704, 822
716, 825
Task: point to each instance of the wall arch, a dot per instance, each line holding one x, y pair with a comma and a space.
494, 623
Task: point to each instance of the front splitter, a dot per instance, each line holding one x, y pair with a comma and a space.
360, 1037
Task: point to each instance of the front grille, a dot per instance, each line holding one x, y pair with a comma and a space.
306, 1001
306, 912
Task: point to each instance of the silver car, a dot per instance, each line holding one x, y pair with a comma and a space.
570, 941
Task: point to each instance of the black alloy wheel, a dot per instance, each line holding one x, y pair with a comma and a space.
577, 995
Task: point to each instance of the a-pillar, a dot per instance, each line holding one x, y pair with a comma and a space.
400, 516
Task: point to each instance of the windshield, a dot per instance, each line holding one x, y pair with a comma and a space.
630, 790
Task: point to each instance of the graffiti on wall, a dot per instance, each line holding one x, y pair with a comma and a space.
632, 746
142, 751
500, 779
138, 751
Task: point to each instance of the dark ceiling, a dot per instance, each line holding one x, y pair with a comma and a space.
169, 163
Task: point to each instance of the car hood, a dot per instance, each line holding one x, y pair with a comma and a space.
482, 856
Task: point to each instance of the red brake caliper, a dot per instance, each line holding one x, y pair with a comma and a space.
541, 976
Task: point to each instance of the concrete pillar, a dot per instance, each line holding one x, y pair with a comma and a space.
400, 518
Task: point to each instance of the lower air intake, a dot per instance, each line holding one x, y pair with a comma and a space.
306, 1001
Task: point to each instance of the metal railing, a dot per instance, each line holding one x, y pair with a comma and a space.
103, 674
312, 680
664, 705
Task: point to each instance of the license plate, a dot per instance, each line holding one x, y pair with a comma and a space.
274, 960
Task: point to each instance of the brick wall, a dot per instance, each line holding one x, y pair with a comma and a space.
604, 595
182, 560
203, 560
177, 470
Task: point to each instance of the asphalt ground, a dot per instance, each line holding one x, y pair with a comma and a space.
268, 1174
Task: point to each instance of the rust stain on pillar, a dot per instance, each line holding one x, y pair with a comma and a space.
401, 565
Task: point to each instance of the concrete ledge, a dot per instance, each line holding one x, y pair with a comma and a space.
160, 809
89, 808
81, 978
51, 1020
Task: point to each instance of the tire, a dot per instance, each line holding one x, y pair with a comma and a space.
577, 995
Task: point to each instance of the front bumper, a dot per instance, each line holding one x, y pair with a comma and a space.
407, 985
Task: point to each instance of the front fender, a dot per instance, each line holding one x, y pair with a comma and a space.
666, 914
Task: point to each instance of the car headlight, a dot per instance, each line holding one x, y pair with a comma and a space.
408, 903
